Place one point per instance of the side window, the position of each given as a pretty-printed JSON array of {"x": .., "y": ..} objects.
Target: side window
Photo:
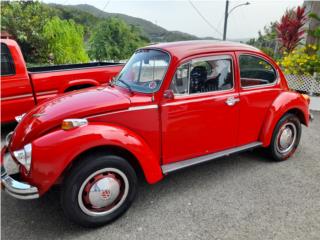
[
  {"x": 7, "y": 65},
  {"x": 203, "y": 75},
  {"x": 211, "y": 75},
  {"x": 180, "y": 81},
  {"x": 255, "y": 71}
]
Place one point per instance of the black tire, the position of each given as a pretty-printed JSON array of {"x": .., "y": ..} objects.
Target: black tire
[
  {"x": 287, "y": 121},
  {"x": 80, "y": 174}
]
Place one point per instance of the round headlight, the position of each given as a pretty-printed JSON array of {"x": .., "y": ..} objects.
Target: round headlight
[{"x": 23, "y": 156}]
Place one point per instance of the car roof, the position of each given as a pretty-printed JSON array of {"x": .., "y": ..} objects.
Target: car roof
[{"x": 185, "y": 49}]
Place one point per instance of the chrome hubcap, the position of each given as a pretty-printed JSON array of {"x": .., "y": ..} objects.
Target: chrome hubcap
[
  {"x": 103, "y": 192},
  {"x": 286, "y": 138}
]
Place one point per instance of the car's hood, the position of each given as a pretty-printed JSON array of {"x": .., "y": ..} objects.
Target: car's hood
[{"x": 49, "y": 115}]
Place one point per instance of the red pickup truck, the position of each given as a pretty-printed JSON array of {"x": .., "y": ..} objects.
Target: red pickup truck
[
  {"x": 22, "y": 88},
  {"x": 174, "y": 105}
]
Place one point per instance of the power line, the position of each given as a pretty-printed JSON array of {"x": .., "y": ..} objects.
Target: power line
[
  {"x": 204, "y": 19},
  {"x": 104, "y": 7}
]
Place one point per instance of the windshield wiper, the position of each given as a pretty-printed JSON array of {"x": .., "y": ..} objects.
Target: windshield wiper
[{"x": 128, "y": 86}]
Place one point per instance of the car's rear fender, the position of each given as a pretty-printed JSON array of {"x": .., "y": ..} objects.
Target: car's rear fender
[
  {"x": 54, "y": 152},
  {"x": 284, "y": 103}
]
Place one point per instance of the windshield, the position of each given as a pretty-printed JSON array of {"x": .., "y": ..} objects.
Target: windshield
[{"x": 145, "y": 71}]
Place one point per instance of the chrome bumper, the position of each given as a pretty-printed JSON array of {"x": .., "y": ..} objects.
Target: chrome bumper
[
  {"x": 13, "y": 187},
  {"x": 311, "y": 117}
]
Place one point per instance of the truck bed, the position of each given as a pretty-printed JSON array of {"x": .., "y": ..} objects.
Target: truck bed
[{"x": 65, "y": 67}]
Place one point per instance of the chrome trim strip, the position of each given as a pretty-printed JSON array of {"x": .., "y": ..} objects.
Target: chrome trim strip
[
  {"x": 136, "y": 108},
  {"x": 143, "y": 107},
  {"x": 47, "y": 92},
  {"x": 171, "y": 167},
  {"x": 16, "y": 97}
]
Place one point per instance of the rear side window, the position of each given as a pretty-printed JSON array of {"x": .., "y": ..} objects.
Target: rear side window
[
  {"x": 7, "y": 65},
  {"x": 255, "y": 71},
  {"x": 203, "y": 75}
]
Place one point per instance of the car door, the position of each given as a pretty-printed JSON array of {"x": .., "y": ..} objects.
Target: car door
[
  {"x": 16, "y": 91},
  {"x": 202, "y": 117},
  {"x": 259, "y": 86}
]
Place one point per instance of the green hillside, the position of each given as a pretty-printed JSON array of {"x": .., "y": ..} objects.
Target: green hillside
[{"x": 149, "y": 30}]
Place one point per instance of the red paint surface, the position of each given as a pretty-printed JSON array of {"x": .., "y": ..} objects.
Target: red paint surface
[{"x": 178, "y": 129}]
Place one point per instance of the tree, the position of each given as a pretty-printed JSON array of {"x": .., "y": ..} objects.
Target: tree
[
  {"x": 290, "y": 29},
  {"x": 267, "y": 40},
  {"x": 25, "y": 21},
  {"x": 313, "y": 24},
  {"x": 314, "y": 33},
  {"x": 113, "y": 39},
  {"x": 65, "y": 41}
]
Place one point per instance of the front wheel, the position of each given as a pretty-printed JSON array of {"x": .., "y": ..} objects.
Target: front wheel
[
  {"x": 286, "y": 137},
  {"x": 98, "y": 190}
]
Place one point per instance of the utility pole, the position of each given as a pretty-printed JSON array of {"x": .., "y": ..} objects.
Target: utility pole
[
  {"x": 226, "y": 16},
  {"x": 225, "y": 21}
]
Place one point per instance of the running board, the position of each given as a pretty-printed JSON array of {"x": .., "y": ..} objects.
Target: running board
[{"x": 172, "y": 167}]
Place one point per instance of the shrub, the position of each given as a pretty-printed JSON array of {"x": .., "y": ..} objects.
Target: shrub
[{"x": 299, "y": 62}]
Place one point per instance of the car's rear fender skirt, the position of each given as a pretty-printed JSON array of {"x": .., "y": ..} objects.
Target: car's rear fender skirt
[
  {"x": 54, "y": 152},
  {"x": 286, "y": 102}
]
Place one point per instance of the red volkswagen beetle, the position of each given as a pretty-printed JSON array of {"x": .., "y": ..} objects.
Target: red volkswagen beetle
[{"x": 174, "y": 105}]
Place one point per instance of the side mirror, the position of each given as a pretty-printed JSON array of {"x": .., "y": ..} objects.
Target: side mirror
[{"x": 168, "y": 94}]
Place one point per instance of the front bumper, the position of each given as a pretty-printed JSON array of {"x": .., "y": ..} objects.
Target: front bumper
[
  {"x": 14, "y": 187},
  {"x": 311, "y": 117}
]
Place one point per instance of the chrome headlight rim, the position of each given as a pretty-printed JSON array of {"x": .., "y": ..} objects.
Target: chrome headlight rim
[
  {"x": 8, "y": 138},
  {"x": 24, "y": 156},
  {"x": 19, "y": 117}
]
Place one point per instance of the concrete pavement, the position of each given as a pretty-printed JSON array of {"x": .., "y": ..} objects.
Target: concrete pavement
[{"x": 244, "y": 196}]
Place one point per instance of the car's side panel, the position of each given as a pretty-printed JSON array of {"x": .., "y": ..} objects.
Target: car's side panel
[
  {"x": 285, "y": 102},
  {"x": 16, "y": 89},
  {"x": 143, "y": 120},
  {"x": 199, "y": 124},
  {"x": 54, "y": 152},
  {"x": 255, "y": 102},
  {"x": 196, "y": 126},
  {"x": 254, "y": 106}
]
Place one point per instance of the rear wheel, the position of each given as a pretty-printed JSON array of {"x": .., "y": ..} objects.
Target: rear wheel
[
  {"x": 286, "y": 137},
  {"x": 98, "y": 190}
]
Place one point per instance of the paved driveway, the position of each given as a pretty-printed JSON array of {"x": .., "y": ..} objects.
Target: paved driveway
[{"x": 244, "y": 196}]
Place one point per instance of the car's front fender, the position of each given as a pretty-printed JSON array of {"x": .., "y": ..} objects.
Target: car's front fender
[
  {"x": 285, "y": 102},
  {"x": 53, "y": 152}
]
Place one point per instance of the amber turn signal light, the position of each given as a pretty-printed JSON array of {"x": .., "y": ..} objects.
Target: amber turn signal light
[
  {"x": 68, "y": 124},
  {"x": 306, "y": 97}
]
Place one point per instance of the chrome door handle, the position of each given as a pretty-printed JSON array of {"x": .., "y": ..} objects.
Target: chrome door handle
[{"x": 232, "y": 101}]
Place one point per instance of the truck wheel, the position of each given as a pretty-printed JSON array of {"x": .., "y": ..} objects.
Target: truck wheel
[
  {"x": 98, "y": 190},
  {"x": 286, "y": 137}
]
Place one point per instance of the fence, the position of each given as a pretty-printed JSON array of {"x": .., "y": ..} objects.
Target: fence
[{"x": 309, "y": 84}]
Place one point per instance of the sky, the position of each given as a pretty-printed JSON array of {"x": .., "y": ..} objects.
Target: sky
[{"x": 181, "y": 15}]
